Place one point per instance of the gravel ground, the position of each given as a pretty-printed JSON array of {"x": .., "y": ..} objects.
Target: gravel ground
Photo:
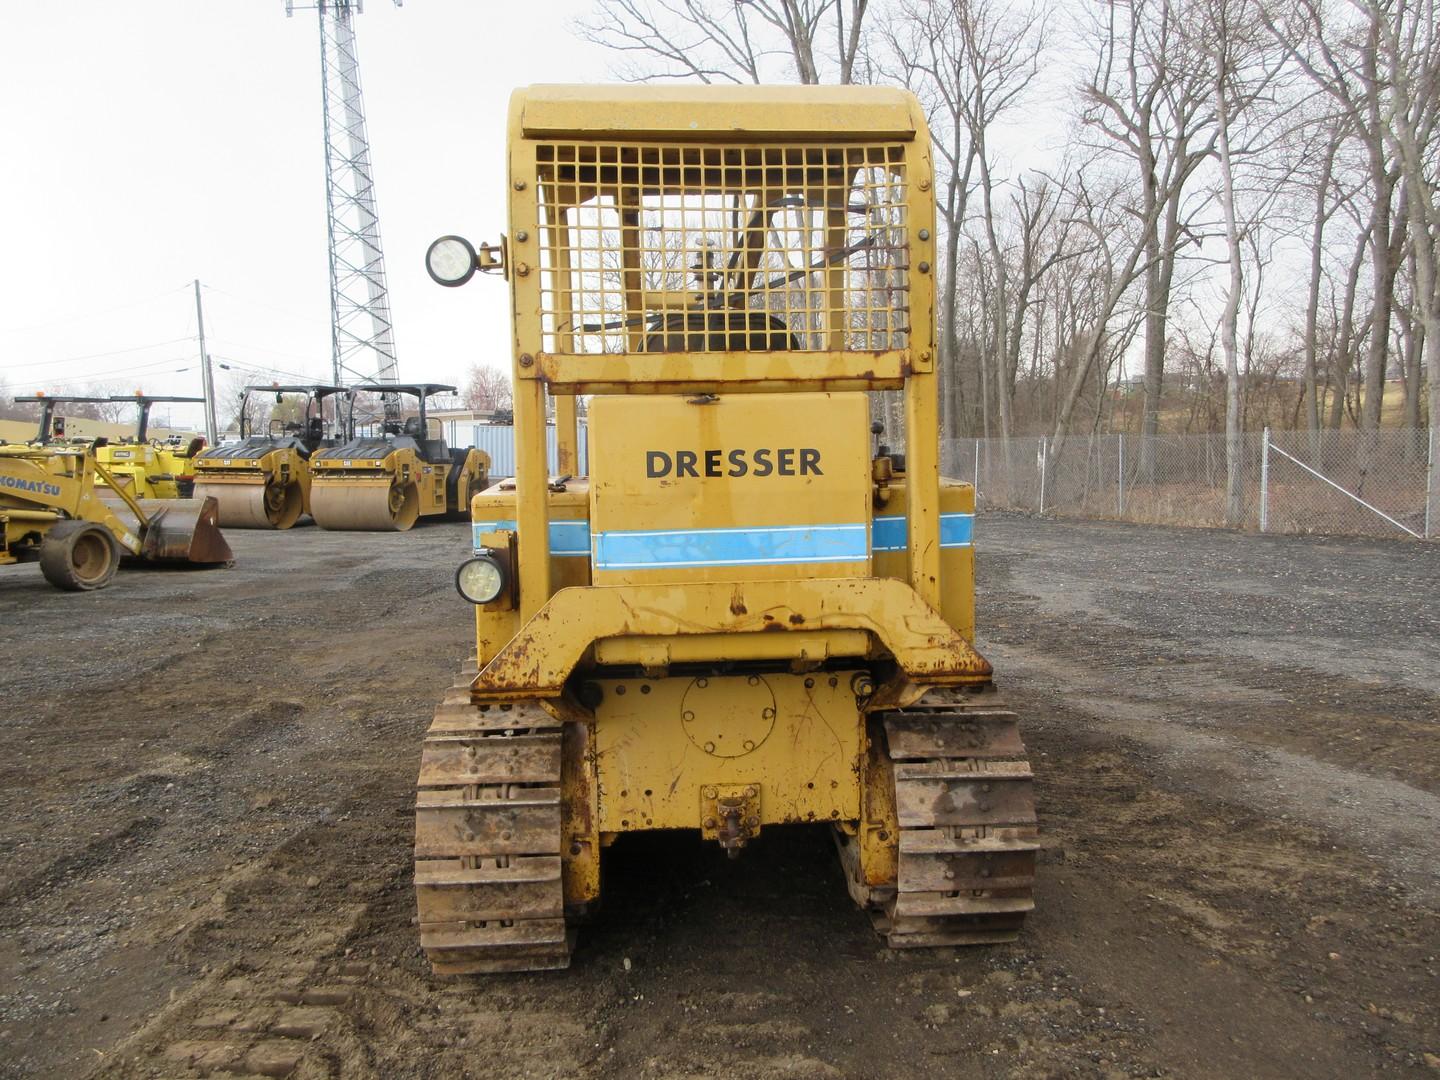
[{"x": 206, "y": 787}]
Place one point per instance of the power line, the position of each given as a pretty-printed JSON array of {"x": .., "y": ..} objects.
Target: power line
[
  {"x": 259, "y": 348},
  {"x": 236, "y": 365},
  {"x": 101, "y": 355},
  {"x": 308, "y": 319},
  {"x": 87, "y": 314},
  {"x": 155, "y": 367},
  {"x": 64, "y": 384}
]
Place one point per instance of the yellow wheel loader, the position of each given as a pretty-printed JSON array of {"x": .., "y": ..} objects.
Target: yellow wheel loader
[
  {"x": 148, "y": 468},
  {"x": 746, "y": 615},
  {"x": 51, "y": 512},
  {"x": 262, "y": 481},
  {"x": 387, "y": 481}
]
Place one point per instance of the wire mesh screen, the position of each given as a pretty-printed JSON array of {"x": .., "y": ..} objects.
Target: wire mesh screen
[
  {"x": 1350, "y": 481},
  {"x": 699, "y": 248}
]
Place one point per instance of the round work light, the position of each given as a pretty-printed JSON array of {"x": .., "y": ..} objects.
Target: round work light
[
  {"x": 480, "y": 580},
  {"x": 450, "y": 261}
]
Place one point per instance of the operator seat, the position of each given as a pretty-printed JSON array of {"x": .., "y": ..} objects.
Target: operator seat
[{"x": 720, "y": 331}]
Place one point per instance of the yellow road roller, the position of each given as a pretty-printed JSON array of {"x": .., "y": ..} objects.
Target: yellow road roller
[
  {"x": 389, "y": 480},
  {"x": 51, "y": 511},
  {"x": 262, "y": 481},
  {"x": 747, "y": 614},
  {"x": 149, "y": 468}
]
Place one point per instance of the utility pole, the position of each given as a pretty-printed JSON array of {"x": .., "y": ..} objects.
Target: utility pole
[{"x": 212, "y": 433}]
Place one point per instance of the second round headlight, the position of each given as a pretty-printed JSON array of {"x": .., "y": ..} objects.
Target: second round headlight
[{"x": 480, "y": 580}]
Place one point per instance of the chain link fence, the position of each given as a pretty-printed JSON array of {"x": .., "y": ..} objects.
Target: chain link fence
[{"x": 1367, "y": 483}]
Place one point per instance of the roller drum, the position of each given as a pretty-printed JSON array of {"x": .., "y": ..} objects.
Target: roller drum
[
  {"x": 255, "y": 506},
  {"x": 365, "y": 505}
]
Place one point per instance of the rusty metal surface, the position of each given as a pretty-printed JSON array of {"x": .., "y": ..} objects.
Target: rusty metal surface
[
  {"x": 177, "y": 530},
  {"x": 730, "y": 815},
  {"x": 661, "y": 743},
  {"x": 725, "y": 372},
  {"x": 580, "y": 815},
  {"x": 543, "y": 653}
]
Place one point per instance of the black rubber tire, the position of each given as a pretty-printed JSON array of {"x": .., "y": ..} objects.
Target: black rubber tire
[{"x": 79, "y": 556}]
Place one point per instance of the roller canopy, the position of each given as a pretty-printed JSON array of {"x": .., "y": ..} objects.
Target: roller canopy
[
  {"x": 420, "y": 390},
  {"x": 318, "y": 391}
]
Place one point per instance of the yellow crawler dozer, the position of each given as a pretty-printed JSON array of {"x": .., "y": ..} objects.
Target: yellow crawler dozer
[
  {"x": 51, "y": 510},
  {"x": 388, "y": 481},
  {"x": 746, "y": 614},
  {"x": 262, "y": 481}
]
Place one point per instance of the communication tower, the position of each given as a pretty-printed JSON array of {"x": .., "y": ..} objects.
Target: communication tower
[{"x": 362, "y": 335}]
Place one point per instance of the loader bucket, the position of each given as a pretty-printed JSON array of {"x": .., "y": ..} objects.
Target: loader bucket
[{"x": 180, "y": 530}]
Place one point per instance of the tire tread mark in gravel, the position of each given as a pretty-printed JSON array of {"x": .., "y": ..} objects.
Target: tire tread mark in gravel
[
  {"x": 267, "y": 1012},
  {"x": 99, "y": 852}
]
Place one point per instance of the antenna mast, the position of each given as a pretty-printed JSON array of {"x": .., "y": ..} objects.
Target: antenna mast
[{"x": 361, "y": 333}]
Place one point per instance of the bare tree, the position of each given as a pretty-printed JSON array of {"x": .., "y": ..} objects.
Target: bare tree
[
  {"x": 735, "y": 41},
  {"x": 487, "y": 389},
  {"x": 10, "y": 409},
  {"x": 1046, "y": 241},
  {"x": 1347, "y": 335},
  {"x": 1407, "y": 40},
  {"x": 1189, "y": 129},
  {"x": 969, "y": 62},
  {"x": 1245, "y": 68},
  {"x": 1328, "y": 197},
  {"x": 108, "y": 412},
  {"x": 1003, "y": 56},
  {"x": 1224, "y": 71},
  {"x": 1119, "y": 232},
  {"x": 1342, "y": 59},
  {"x": 1150, "y": 98}
]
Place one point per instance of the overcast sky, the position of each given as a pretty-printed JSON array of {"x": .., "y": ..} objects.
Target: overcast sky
[{"x": 149, "y": 144}]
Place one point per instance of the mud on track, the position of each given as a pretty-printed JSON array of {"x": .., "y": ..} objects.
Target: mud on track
[{"x": 206, "y": 782}]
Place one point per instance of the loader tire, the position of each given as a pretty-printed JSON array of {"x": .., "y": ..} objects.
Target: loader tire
[{"x": 79, "y": 556}]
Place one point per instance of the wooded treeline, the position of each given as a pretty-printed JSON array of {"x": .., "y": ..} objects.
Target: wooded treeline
[{"x": 1231, "y": 218}]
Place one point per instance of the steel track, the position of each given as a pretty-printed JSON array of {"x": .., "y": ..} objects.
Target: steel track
[{"x": 487, "y": 838}]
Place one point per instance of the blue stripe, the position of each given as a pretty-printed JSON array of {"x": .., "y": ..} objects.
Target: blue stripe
[
  {"x": 736, "y": 547},
  {"x": 566, "y": 537},
  {"x": 956, "y": 530},
  {"x": 647, "y": 550}
]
